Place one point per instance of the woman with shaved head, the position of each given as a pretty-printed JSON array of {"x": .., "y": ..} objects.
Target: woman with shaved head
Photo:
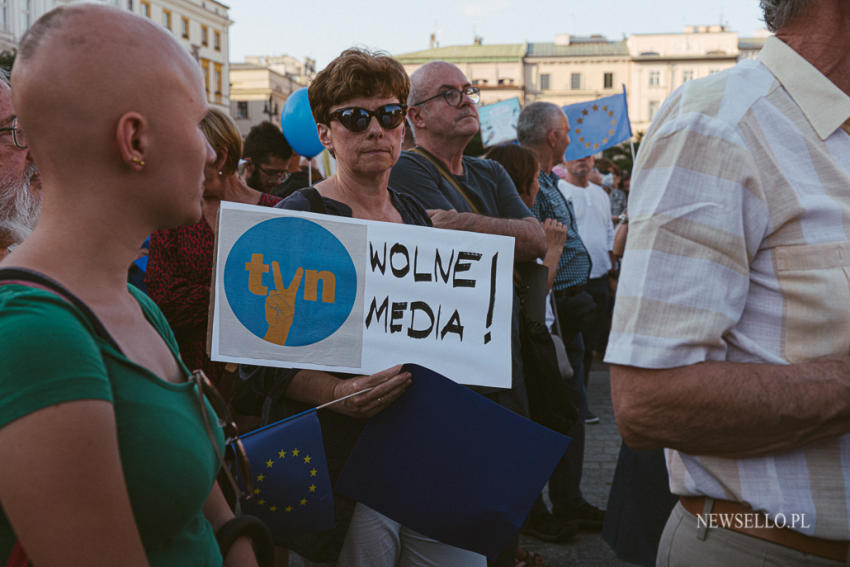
[{"x": 105, "y": 456}]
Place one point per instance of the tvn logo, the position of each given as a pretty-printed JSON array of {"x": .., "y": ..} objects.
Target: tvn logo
[{"x": 290, "y": 281}]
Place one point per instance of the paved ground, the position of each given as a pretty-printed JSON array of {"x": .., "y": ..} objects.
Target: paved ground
[{"x": 602, "y": 445}]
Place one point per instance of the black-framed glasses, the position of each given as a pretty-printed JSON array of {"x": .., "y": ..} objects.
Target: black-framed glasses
[
  {"x": 454, "y": 97},
  {"x": 357, "y": 119},
  {"x": 273, "y": 173},
  {"x": 234, "y": 450},
  {"x": 17, "y": 134}
]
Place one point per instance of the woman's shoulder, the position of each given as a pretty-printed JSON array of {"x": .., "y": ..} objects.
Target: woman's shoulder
[
  {"x": 48, "y": 351},
  {"x": 308, "y": 199}
]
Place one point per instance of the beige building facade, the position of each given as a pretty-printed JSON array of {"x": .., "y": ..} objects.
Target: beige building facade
[
  {"x": 580, "y": 68},
  {"x": 257, "y": 94},
  {"x": 201, "y": 26}
]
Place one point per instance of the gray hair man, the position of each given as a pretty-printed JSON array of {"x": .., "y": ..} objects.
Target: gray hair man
[
  {"x": 543, "y": 128},
  {"x": 19, "y": 181},
  {"x": 731, "y": 332}
]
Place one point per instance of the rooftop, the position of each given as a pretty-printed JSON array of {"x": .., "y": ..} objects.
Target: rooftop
[
  {"x": 578, "y": 49},
  {"x": 465, "y": 53}
]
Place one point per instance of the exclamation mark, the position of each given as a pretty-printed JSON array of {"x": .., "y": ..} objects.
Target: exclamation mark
[{"x": 487, "y": 336}]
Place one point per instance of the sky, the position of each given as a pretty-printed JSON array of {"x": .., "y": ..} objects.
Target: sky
[{"x": 321, "y": 30}]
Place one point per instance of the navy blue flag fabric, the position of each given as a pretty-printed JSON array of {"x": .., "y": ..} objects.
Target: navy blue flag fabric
[
  {"x": 597, "y": 125},
  {"x": 292, "y": 490},
  {"x": 451, "y": 464}
]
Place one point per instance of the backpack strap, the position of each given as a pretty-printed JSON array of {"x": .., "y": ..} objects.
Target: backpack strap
[{"x": 31, "y": 278}]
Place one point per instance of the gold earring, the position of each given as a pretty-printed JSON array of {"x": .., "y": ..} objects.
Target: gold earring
[{"x": 138, "y": 161}]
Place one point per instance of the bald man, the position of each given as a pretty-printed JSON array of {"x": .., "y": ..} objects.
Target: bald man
[{"x": 105, "y": 458}]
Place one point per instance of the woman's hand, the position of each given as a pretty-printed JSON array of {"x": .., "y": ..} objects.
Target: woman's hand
[
  {"x": 556, "y": 235},
  {"x": 386, "y": 385}
]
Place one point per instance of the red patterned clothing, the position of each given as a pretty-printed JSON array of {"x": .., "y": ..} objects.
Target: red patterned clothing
[{"x": 178, "y": 279}]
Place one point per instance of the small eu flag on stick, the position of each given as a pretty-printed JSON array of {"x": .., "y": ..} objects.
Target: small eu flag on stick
[{"x": 292, "y": 490}]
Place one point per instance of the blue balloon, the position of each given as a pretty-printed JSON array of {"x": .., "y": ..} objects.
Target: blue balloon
[{"x": 299, "y": 128}]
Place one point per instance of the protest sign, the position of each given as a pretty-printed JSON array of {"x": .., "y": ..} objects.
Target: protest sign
[
  {"x": 301, "y": 290},
  {"x": 498, "y": 122}
]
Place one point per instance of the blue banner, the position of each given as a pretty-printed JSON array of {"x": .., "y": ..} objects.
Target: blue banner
[
  {"x": 597, "y": 125},
  {"x": 451, "y": 464}
]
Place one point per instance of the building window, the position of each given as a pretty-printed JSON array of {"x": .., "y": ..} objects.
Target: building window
[
  {"x": 217, "y": 40},
  {"x": 166, "y": 18},
  {"x": 205, "y": 67},
  {"x": 544, "y": 82},
  {"x": 653, "y": 108},
  {"x": 242, "y": 110},
  {"x": 687, "y": 76},
  {"x": 608, "y": 81},
  {"x": 217, "y": 78},
  {"x": 130, "y": 5},
  {"x": 655, "y": 78},
  {"x": 205, "y": 35},
  {"x": 575, "y": 81},
  {"x": 184, "y": 25},
  {"x": 146, "y": 8},
  {"x": 26, "y": 15}
]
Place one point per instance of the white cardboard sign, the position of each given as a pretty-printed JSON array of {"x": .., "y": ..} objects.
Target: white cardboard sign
[{"x": 302, "y": 290}]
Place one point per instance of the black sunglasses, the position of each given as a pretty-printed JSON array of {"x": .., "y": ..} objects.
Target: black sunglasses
[{"x": 357, "y": 119}]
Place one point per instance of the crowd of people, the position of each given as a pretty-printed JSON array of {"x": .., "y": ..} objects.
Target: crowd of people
[{"x": 718, "y": 317}]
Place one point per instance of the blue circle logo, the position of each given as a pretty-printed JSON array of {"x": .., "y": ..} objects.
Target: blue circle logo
[{"x": 290, "y": 281}]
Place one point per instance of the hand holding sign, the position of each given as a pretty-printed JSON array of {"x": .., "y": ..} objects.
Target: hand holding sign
[
  {"x": 280, "y": 306},
  {"x": 387, "y": 385}
]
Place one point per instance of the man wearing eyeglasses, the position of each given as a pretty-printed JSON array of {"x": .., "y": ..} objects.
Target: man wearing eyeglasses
[
  {"x": 463, "y": 192},
  {"x": 19, "y": 181},
  {"x": 266, "y": 154}
]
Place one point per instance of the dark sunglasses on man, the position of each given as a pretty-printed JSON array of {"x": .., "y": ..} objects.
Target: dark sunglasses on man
[{"x": 357, "y": 119}]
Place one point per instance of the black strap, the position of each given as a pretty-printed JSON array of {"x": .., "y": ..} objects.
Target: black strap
[
  {"x": 250, "y": 527},
  {"x": 317, "y": 203},
  {"x": 35, "y": 279},
  {"x": 433, "y": 160}
]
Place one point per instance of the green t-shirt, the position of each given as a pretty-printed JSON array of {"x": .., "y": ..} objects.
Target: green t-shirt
[{"x": 50, "y": 354}]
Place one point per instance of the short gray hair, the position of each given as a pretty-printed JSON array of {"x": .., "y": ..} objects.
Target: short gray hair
[
  {"x": 535, "y": 121},
  {"x": 4, "y": 77},
  {"x": 779, "y": 13}
]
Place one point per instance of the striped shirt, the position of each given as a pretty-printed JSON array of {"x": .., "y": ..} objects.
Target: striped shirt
[
  {"x": 574, "y": 265},
  {"x": 738, "y": 250}
]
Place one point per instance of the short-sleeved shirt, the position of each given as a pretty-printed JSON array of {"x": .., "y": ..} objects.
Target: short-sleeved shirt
[
  {"x": 593, "y": 217},
  {"x": 574, "y": 264},
  {"x": 738, "y": 250},
  {"x": 485, "y": 181},
  {"x": 50, "y": 354}
]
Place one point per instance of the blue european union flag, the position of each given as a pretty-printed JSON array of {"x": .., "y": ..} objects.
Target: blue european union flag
[
  {"x": 451, "y": 464},
  {"x": 597, "y": 125},
  {"x": 292, "y": 490}
]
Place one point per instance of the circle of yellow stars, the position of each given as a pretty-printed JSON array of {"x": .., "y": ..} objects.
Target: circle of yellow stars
[
  {"x": 281, "y": 455},
  {"x": 580, "y": 121}
]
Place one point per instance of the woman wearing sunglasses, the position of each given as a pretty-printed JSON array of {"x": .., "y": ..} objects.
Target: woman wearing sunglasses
[{"x": 357, "y": 101}]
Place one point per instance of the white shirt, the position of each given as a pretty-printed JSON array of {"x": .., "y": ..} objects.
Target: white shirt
[{"x": 593, "y": 217}]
